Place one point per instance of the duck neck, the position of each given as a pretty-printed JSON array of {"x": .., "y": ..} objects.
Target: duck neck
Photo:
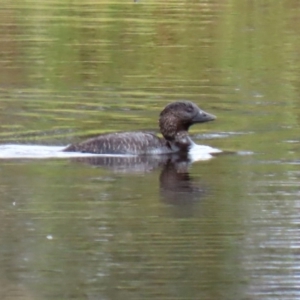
[
  {"x": 181, "y": 141},
  {"x": 168, "y": 127}
]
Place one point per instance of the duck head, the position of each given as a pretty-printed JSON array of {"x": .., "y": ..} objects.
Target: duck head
[{"x": 177, "y": 117}]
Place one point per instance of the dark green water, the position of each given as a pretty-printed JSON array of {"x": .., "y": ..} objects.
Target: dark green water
[{"x": 227, "y": 229}]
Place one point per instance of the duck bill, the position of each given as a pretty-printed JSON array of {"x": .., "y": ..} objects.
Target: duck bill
[{"x": 202, "y": 116}]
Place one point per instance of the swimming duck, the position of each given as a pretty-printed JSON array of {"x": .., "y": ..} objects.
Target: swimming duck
[{"x": 174, "y": 122}]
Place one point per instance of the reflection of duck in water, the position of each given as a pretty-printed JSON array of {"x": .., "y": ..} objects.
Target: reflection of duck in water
[
  {"x": 176, "y": 185},
  {"x": 174, "y": 122}
]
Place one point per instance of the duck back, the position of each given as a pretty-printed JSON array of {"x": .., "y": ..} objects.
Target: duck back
[{"x": 134, "y": 143}]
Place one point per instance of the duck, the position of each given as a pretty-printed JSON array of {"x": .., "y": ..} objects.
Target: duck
[{"x": 174, "y": 122}]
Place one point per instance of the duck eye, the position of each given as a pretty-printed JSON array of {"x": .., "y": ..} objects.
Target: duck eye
[{"x": 189, "y": 109}]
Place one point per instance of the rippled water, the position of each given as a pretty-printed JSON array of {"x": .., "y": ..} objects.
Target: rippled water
[{"x": 148, "y": 227}]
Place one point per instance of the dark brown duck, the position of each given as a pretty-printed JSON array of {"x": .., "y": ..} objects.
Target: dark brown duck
[{"x": 174, "y": 122}]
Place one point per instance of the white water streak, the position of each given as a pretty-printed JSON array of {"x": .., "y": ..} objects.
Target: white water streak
[{"x": 197, "y": 152}]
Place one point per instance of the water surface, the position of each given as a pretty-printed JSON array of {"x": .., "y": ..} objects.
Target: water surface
[{"x": 144, "y": 228}]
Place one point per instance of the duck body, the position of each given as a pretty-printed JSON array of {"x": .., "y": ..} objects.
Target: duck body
[
  {"x": 174, "y": 122},
  {"x": 134, "y": 143}
]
